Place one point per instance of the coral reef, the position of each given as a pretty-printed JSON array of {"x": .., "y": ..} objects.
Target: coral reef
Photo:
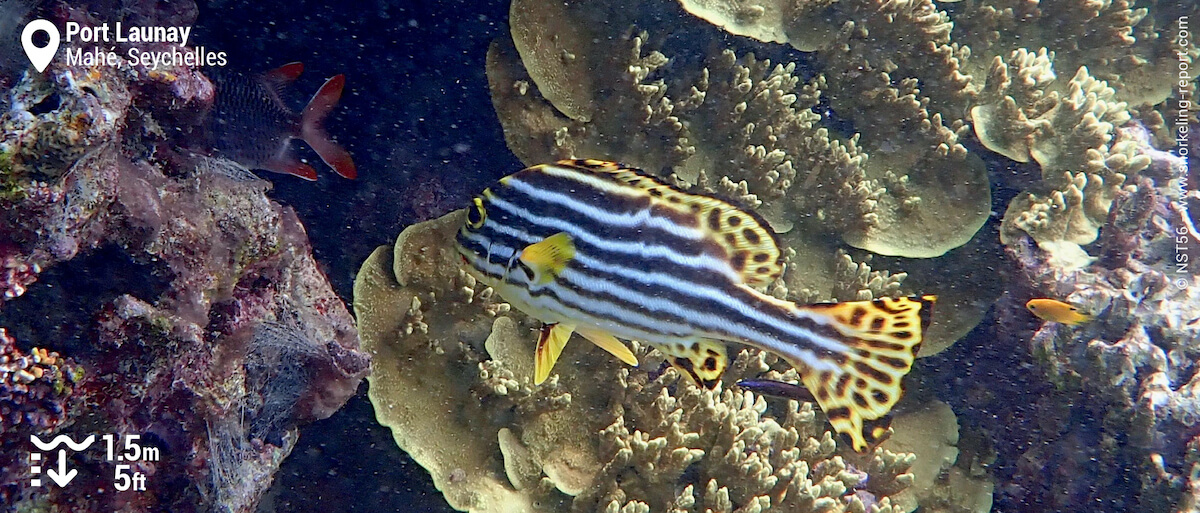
[
  {"x": 1072, "y": 136},
  {"x": 756, "y": 132},
  {"x": 931, "y": 433},
  {"x": 452, "y": 379},
  {"x": 899, "y": 62},
  {"x": 744, "y": 128},
  {"x": 1128, "y": 380},
  {"x": 199, "y": 319},
  {"x": 866, "y": 141}
]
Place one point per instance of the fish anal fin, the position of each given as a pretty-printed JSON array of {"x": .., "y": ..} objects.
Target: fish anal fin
[
  {"x": 550, "y": 346},
  {"x": 548, "y": 257},
  {"x": 609, "y": 343},
  {"x": 859, "y": 387},
  {"x": 702, "y": 361},
  {"x": 287, "y": 164}
]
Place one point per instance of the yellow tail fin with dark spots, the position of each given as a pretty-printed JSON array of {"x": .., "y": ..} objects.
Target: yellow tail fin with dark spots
[{"x": 858, "y": 392}]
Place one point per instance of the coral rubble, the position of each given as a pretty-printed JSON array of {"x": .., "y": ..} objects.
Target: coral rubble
[
  {"x": 199, "y": 319},
  {"x": 453, "y": 380}
]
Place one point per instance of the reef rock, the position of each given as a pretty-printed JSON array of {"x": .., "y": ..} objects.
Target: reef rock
[
  {"x": 1124, "y": 384},
  {"x": 199, "y": 320}
]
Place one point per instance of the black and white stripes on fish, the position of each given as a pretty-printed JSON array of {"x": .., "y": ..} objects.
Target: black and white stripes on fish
[
  {"x": 598, "y": 249},
  {"x": 674, "y": 288},
  {"x": 630, "y": 241}
]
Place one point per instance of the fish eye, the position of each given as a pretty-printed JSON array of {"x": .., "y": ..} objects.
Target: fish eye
[{"x": 476, "y": 214}]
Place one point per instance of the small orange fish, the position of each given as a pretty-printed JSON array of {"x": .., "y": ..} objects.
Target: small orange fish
[{"x": 1054, "y": 310}]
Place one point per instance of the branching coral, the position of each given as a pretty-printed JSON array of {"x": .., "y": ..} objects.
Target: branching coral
[
  {"x": 1119, "y": 41},
  {"x": 1071, "y": 135},
  {"x": 914, "y": 71},
  {"x": 751, "y": 124},
  {"x": 452, "y": 380}
]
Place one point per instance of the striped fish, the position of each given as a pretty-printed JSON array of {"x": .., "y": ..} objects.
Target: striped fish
[{"x": 608, "y": 252}]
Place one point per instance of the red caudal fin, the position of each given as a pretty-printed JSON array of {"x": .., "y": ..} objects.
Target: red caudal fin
[{"x": 312, "y": 132}]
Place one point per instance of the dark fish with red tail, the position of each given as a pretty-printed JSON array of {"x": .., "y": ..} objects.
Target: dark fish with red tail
[{"x": 254, "y": 127}]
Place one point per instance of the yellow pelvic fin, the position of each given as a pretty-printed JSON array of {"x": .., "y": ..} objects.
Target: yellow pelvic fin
[
  {"x": 548, "y": 257},
  {"x": 861, "y": 386},
  {"x": 550, "y": 345},
  {"x": 702, "y": 361},
  {"x": 609, "y": 343}
]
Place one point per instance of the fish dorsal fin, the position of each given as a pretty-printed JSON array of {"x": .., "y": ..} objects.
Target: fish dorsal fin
[
  {"x": 283, "y": 76},
  {"x": 702, "y": 361},
  {"x": 858, "y": 388},
  {"x": 630, "y": 176},
  {"x": 548, "y": 257},
  {"x": 608, "y": 343},
  {"x": 748, "y": 241},
  {"x": 550, "y": 346}
]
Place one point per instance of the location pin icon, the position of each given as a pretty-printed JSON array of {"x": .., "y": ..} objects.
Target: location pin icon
[{"x": 40, "y": 57}]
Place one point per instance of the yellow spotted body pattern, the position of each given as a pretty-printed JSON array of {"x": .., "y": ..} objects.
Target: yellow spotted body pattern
[{"x": 608, "y": 252}]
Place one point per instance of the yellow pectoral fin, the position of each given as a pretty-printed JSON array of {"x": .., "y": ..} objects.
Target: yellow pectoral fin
[
  {"x": 549, "y": 347},
  {"x": 611, "y": 344},
  {"x": 549, "y": 257}
]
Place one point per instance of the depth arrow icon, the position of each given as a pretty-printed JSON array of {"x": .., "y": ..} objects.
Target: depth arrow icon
[{"x": 61, "y": 477}]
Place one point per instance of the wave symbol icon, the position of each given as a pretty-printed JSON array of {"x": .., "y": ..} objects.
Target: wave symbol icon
[{"x": 62, "y": 439}]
